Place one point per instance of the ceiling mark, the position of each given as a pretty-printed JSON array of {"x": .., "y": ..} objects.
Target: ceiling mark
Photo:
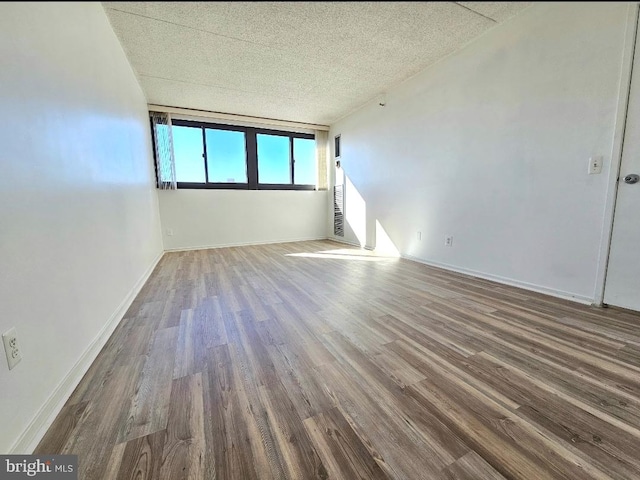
[
  {"x": 190, "y": 28},
  {"x": 477, "y": 13}
]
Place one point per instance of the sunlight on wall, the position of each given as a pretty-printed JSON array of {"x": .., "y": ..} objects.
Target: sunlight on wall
[
  {"x": 384, "y": 244},
  {"x": 356, "y": 212}
]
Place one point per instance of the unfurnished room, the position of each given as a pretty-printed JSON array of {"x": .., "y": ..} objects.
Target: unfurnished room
[{"x": 320, "y": 240}]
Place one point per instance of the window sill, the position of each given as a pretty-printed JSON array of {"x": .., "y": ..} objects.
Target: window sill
[{"x": 241, "y": 186}]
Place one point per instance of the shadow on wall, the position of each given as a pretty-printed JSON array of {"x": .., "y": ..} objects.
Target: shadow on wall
[{"x": 368, "y": 231}]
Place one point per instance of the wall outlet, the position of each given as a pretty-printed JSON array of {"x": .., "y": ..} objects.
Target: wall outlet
[
  {"x": 170, "y": 232},
  {"x": 448, "y": 240},
  {"x": 595, "y": 165},
  {"x": 11, "y": 347},
  {"x": 419, "y": 236}
]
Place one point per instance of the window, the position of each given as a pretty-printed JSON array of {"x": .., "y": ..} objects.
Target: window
[
  {"x": 188, "y": 152},
  {"x": 225, "y": 156},
  {"x": 304, "y": 155},
  {"x": 274, "y": 159}
]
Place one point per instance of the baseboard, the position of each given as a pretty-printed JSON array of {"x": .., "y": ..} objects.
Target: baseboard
[
  {"x": 242, "y": 244},
  {"x": 346, "y": 242},
  {"x": 505, "y": 281},
  {"x": 28, "y": 441}
]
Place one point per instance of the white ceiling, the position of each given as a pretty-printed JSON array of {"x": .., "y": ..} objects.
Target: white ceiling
[{"x": 311, "y": 62}]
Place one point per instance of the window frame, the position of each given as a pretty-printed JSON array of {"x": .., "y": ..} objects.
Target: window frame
[{"x": 251, "y": 151}]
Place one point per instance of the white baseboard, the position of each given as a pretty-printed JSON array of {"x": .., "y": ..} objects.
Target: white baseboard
[
  {"x": 28, "y": 441},
  {"x": 506, "y": 281},
  {"x": 346, "y": 242},
  {"x": 242, "y": 244}
]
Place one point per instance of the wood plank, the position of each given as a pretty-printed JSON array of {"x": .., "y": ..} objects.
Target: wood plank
[
  {"x": 150, "y": 405},
  {"x": 470, "y": 467},
  {"x": 342, "y": 452},
  {"x": 62, "y": 428},
  {"x": 142, "y": 458},
  {"x": 294, "y": 449},
  {"x": 229, "y": 450},
  {"x": 191, "y": 346},
  {"x": 115, "y": 461},
  {"x": 300, "y": 381},
  {"x": 184, "y": 445},
  {"x": 96, "y": 434}
]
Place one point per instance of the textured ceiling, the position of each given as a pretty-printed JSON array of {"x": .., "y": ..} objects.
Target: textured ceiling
[{"x": 311, "y": 62}]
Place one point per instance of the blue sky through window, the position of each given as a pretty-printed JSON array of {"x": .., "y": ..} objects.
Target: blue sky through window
[
  {"x": 273, "y": 159},
  {"x": 304, "y": 153},
  {"x": 226, "y": 156},
  {"x": 187, "y": 147}
]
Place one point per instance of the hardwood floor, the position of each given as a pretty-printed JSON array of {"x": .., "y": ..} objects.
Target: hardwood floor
[{"x": 312, "y": 360}]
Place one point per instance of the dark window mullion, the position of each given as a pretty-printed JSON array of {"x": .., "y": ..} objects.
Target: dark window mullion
[
  {"x": 292, "y": 160},
  {"x": 204, "y": 156},
  {"x": 252, "y": 159}
]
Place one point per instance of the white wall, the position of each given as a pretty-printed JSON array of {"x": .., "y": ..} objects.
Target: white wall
[
  {"x": 216, "y": 218},
  {"x": 491, "y": 145},
  {"x": 79, "y": 222}
]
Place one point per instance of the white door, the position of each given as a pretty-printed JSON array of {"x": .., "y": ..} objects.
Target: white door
[{"x": 622, "y": 287}]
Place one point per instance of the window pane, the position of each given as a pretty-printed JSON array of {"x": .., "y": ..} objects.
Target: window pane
[
  {"x": 304, "y": 154},
  {"x": 226, "y": 156},
  {"x": 187, "y": 149},
  {"x": 274, "y": 165}
]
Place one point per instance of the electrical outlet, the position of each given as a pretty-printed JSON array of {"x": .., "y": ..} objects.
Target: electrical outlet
[
  {"x": 11, "y": 347},
  {"x": 170, "y": 232},
  {"x": 448, "y": 240},
  {"x": 419, "y": 236}
]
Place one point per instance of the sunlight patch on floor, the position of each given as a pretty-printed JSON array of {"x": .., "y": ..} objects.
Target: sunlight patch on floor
[{"x": 347, "y": 254}]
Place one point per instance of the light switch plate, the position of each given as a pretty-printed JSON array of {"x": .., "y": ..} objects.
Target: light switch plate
[{"x": 595, "y": 165}]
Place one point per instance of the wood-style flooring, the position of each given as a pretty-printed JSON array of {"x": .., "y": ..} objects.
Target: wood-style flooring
[{"x": 311, "y": 360}]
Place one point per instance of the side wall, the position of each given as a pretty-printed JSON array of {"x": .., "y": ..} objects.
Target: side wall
[
  {"x": 79, "y": 218},
  {"x": 491, "y": 146}
]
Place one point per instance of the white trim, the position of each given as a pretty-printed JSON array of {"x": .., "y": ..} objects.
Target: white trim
[
  {"x": 243, "y": 244},
  {"x": 346, "y": 242},
  {"x": 504, "y": 280},
  {"x": 235, "y": 119},
  {"x": 40, "y": 423},
  {"x": 616, "y": 152}
]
